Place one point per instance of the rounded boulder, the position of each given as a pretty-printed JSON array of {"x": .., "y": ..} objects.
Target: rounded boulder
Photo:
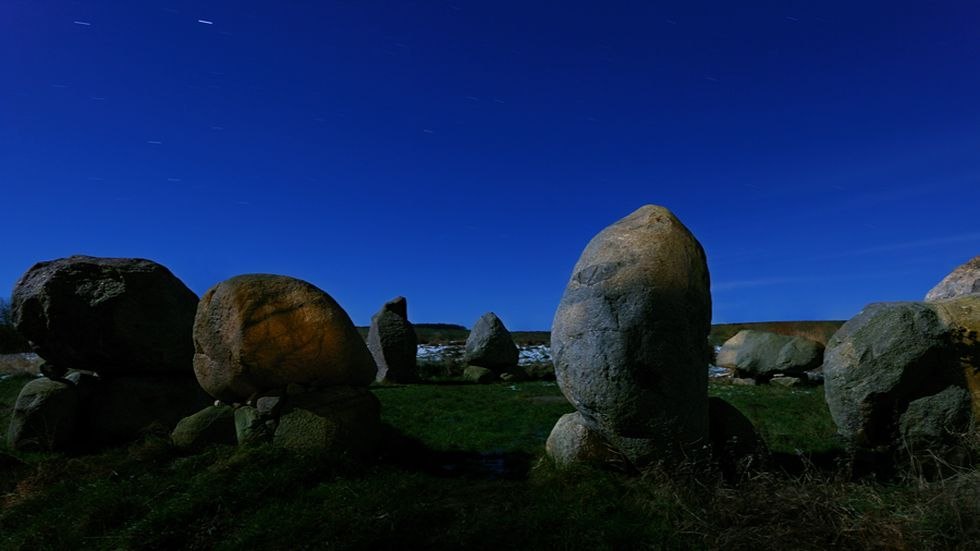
[{"x": 258, "y": 332}]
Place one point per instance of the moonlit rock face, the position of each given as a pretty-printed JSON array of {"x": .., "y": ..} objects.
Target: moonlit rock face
[
  {"x": 964, "y": 280},
  {"x": 393, "y": 343},
  {"x": 629, "y": 338},
  {"x": 255, "y": 333}
]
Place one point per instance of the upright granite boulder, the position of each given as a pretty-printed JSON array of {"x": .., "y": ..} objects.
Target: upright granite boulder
[
  {"x": 964, "y": 280},
  {"x": 762, "y": 355},
  {"x": 255, "y": 333},
  {"x": 490, "y": 344},
  {"x": 393, "y": 343},
  {"x": 897, "y": 371},
  {"x": 629, "y": 339},
  {"x": 107, "y": 315}
]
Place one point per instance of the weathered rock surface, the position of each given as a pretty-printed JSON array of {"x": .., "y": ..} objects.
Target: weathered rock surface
[
  {"x": 962, "y": 315},
  {"x": 882, "y": 360},
  {"x": 211, "y": 425},
  {"x": 44, "y": 416},
  {"x": 938, "y": 419},
  {"x": 490, "y": 344},
  {"x": 762, "y": 355},
  {"x": 107, "y": 315},
  {"x": 572, "y": 441},
  {"x": 256, "y": 333},
  {"x": 629, "y": 339},
  {"x": 393, "y": 343},
  {"x": 343, "y": 419},
  {"x": 963, "y": 280},
  {"x": 251, "y": 427}
]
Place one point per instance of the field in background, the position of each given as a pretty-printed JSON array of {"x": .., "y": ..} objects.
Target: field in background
[{"x": 820, "y": 331}]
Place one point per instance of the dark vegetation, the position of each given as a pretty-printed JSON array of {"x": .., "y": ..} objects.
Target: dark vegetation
[
  {"x": 463, "y": 466},
  {"x": 11, "y": 342}
]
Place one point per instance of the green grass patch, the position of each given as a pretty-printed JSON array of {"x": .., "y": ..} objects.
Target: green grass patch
[
  {"x": 790, "y": 420},
  {"x": 463, "y": 467}
]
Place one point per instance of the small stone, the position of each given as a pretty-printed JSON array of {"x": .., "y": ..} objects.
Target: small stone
[
  {"x": 250, "y": 427},
  {"x": 477, "y": 374},
  {"x": 211, "y": 425},
  {"x": 743, "y": 382},
  {"x": 571, "y": 441},
  {"x": 785, "y": 381},
  {"x": 268, "y": 406}
]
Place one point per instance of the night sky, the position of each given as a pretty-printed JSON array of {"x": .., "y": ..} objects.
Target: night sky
[{"x": 826, "y": 154}]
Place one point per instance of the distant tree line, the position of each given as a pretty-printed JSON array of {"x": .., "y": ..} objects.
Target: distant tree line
[{"x": 11, "y": 341}]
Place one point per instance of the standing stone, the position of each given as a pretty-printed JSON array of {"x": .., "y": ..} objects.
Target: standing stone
[
  {"x": 393, "y": 343},
  {"x": 629, "y": 339},
  {"x": 490, "y": 345},
  {"x": 108, "y": 315},
  {"x": 257, "y": 333},
  {"x": 882, "y": 360},
  {"x": 963, "y": 280}
]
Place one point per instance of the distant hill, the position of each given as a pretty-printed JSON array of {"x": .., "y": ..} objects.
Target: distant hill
[{"x": 820, "y": 331}]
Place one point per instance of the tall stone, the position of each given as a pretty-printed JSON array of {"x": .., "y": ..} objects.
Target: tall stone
[
  {"x": 629, "y": 339},
  {"x": 393, "y": 343},
  {"x": 256, "y": 333},
  {"x": 113, "y": 316},
  {"x": 490, "y": 344}
]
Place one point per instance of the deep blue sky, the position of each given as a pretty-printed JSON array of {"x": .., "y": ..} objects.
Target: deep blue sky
[{"x": 826, "y": 154}]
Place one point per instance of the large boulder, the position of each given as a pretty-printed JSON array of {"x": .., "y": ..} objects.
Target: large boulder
[
  {"x": 629, "y": 339},
  {"x": 108, "y": 315},
  {"x": 44, "y": 416},
  {"x": 763, "y": 355},
  {"x": 393, "y": 343},
  {"x": 255, "y": 333},
  {"x": 490, "y": 345},
  {"x": 963, "y": 280},
  {"x": 888, "y": 358}
]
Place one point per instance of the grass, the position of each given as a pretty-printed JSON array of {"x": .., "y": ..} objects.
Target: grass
[{"x": 463, "y": 466}]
